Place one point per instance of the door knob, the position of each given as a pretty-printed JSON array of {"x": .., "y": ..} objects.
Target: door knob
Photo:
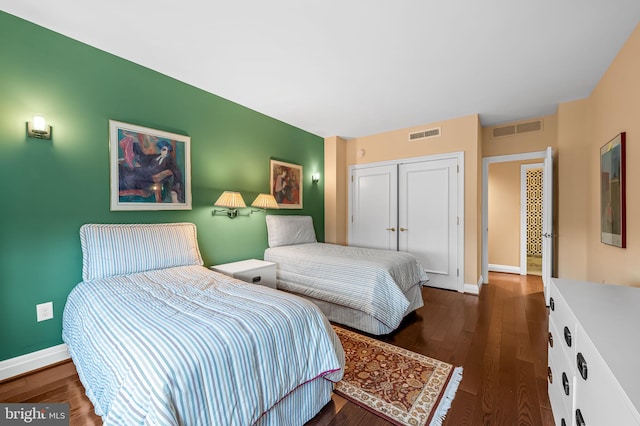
[
  {"x": 403, "y": 229},
  {"x": 392, "y": 229}
]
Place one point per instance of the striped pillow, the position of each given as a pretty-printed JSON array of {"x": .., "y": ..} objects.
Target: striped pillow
[{"x": 109, "y": 250}]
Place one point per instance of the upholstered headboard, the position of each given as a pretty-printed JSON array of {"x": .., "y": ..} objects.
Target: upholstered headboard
[
  {"x": 109, "y": 250},
  {"x": 285, "y": 230}
]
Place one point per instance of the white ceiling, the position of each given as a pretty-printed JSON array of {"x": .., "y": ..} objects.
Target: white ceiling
[{"x": 357, "y": 67}]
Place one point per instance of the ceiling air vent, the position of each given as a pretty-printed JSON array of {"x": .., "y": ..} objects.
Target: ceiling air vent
[
  {"x": 514, "y": 129},
  {"x": 424, "y": 134}
]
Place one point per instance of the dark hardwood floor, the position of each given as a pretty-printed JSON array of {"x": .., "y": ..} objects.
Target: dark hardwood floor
[{"x": 499, "y": 338}]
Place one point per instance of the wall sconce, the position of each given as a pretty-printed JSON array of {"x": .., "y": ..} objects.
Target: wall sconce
[
  {"x": 315, "y": 178},
  {"x": 264, "y": 202},
  {"x": 38, "y": 128},
  {"x": 232, "y": 201}
]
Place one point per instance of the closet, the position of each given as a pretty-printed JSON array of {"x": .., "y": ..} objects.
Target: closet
[{"x": 413, "y": 205}]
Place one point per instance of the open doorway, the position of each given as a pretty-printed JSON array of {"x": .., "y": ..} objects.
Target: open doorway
[
  {"x": 515, "y": 217},
  {"x": 547, "y": 156}
]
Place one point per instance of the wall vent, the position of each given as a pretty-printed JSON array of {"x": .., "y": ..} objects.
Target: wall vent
[
  {"x": 532, "y": 126},
  {"x": 424, "y": 134},
  {"x": 515, "y": 129},
  {"x": 499, "y": 132}
]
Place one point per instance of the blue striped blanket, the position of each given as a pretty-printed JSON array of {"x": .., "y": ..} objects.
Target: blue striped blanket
[
  {"x": 188, "y": 346},
  {"x": 369, "y": 280}
]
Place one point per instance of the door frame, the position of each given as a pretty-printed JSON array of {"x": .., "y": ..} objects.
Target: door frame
[
  {"x": 486, "y": 161},
  {"x": 523, "y": 213},
  {"x": 459, "y": 156}
]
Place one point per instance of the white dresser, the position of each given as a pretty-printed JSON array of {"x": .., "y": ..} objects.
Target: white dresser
[{"x": 594, "y": 354}]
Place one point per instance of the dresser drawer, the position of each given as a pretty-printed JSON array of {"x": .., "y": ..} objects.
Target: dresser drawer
[
  {"x": 599, "y": 397},
  {"x": 565, "y": 322},
  {"x": 562, "y": 380},
  {"x": 561, "y": 411}
]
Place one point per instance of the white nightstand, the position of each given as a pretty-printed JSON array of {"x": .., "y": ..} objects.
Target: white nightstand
[{"x": 252, "y": 271}]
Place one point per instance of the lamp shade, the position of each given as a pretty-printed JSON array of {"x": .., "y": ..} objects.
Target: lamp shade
[
  {"x": 265, "y": 201},
  {"x": 230, "y": 200},
  {"x": 39, "y": 123}
]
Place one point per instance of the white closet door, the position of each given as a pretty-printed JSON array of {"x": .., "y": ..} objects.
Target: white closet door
[
  {"x": 374, "y": 210},
  {"x": 428, "y": 218}
]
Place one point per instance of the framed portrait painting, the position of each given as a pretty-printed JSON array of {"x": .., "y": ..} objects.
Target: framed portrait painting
[
  {"x": 613, "y": 215},
  {"x": 286, "y": 184},
  {"x": 150, "y": 169}
]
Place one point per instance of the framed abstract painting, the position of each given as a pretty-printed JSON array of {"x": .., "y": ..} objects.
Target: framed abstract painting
[
  {"x": 150, "y": 169},
  {"x": 286, "y": 184},
  {"x": 613, "y": 215}
]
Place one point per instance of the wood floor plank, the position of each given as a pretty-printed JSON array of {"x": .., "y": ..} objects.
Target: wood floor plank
[
  {"x": 461, "y": 411},
  {"x": 507, "y": 363},
  {"x": 498, "y": 337},
  {"x": 528, "y": 401}
]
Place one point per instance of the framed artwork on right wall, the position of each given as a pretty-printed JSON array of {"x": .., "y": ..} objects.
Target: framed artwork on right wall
[{"x": 613, "y": 215}]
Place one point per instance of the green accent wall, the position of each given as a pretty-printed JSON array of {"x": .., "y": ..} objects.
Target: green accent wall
[{"x": 50, "y": 188}]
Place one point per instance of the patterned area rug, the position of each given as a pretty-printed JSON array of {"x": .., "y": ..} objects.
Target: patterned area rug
[{"x": 401, "y": 386}]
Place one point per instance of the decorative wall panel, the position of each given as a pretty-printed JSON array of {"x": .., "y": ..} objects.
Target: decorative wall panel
[{"x": 534, "y": 212}]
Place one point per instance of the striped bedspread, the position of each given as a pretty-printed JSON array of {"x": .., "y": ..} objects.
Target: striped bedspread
[
  {"x": 369, "y": 280},
  {"x": 188, "y": 346}
]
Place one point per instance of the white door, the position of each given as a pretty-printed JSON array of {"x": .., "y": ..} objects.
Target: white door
[
  {"x": 374, "y": 212},
  {"x": 547, "y": 222},
  {"x": 428, "y": 218}
]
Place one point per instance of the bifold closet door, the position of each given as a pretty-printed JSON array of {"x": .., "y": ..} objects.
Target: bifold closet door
[
  {"x": 428, "y": 218},
  {"x": 374, "y": 210}
]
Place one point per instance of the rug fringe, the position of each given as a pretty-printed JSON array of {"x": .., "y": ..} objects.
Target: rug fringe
[{"x": 447, "y": 398}]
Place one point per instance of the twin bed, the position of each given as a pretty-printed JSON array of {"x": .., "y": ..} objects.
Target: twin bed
[
  {"x": 367, "y": 289},
  {"x": 157, "y": 338}
]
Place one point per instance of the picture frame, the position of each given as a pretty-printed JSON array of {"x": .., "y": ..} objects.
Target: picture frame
[
  {"x": 286, "y": 184},
  {"x": 149, "y": 169},
  {"x": 613, "y": 215}
]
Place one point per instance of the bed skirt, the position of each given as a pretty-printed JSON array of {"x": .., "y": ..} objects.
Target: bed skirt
[
  {"x": 361, "y": 320},
  {"x": 303, "y": 403}
]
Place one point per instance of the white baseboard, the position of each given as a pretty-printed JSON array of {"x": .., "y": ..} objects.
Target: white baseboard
[
  {"x": 32, "y": 361},
  {"x": 504, "y": 268},
  {"x": 474, "y": 288}
]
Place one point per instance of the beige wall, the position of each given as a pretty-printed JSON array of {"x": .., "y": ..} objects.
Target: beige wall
[
  {"x": 504, "y": 214},
  {"x": 573, "y": 193},
  {"x": 335, "y": 191},
  {"x": 460, "y": 134},
  {"x": 614, "y": 107}
]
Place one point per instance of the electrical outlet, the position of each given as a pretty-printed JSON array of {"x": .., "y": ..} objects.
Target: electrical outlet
[{"x": 44, "y": 311}]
